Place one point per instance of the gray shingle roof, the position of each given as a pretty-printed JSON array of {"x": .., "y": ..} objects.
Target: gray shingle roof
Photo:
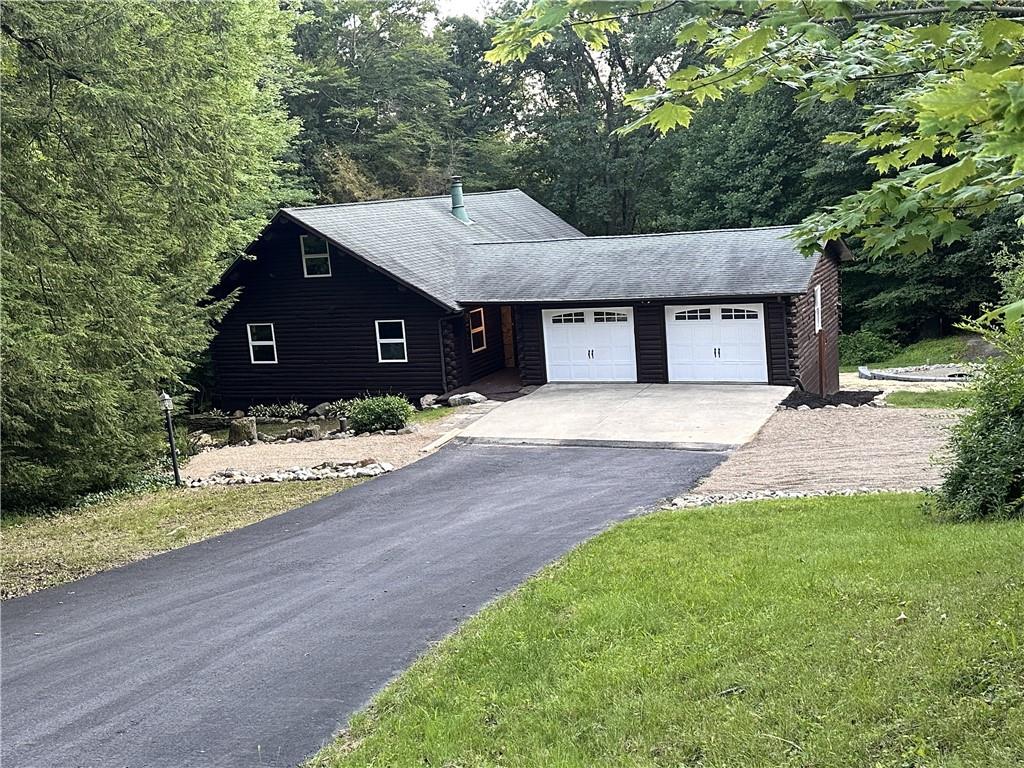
[
  {"x": 726, "y": 262},
  {"x": 418, "y": 241}
]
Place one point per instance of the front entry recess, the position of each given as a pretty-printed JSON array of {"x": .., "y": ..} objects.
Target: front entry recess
[
  {"x": 589, "y": 344},
  {"x": 716, "y": 342}
]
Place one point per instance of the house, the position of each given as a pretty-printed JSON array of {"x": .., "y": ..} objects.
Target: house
[{"x": 424, "y": 295}]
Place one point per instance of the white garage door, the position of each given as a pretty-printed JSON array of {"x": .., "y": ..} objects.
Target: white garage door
[
  {"x": 589, "y": 344},
  {"x": 716, "y": 342}
]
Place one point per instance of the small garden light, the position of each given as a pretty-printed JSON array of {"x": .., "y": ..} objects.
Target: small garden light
[{"x": 168, "y": 405}]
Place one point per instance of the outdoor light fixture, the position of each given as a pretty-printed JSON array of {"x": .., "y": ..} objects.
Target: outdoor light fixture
[{"x": 168, "y": 405}]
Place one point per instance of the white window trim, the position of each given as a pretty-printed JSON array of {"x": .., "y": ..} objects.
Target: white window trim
[
  {"x": 402, "y": 341},
  {"x": 482, "y": 328},
  {"x": 271, "y": 343},
  {"x": 817, "y": 308},
  {"x": 325, "y": 254}
]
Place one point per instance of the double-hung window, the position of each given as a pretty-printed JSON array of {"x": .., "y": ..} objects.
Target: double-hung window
[
  {"x": 316, "y": 259},
  {"x": 477, "y": 330},
  {"x": 262, "y": 343},
  {"x": 391, "y": 346}
]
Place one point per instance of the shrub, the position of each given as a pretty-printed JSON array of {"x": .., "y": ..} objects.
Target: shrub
[
  {"x": 337, "y": 410},
  {"x": 261, "y": 411},
  {"x": 290, "y": 410},
  {"x": 863, "y": 347},
  {"x": 369, "y": 414},
  {"x": 986, "y": 476}
]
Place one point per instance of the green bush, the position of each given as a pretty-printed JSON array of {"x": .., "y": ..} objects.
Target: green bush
[
  {"x": 862, "y": 347},
  {"x": 290, "y": 410},
  {"x": 337, "y": 409},
  {"x": 370, "y": 414},
  {"x": 261, "y": 411},
  {"x": 986, "y": 476}
]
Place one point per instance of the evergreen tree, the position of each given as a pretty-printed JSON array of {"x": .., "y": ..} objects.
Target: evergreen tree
[{"x": 142, "y": 147}]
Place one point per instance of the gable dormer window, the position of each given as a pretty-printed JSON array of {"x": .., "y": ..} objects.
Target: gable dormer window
[{"x": 316, "y": 259}]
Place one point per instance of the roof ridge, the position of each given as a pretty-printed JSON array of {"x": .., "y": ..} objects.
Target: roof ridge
[
  {"x": 397, "y": 200},
  {"x": 641, "y": 234}
]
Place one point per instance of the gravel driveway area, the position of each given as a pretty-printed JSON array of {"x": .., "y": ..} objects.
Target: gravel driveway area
[
  {"x": 397, "y": 450},
  {"x": 836, "y": 449}
]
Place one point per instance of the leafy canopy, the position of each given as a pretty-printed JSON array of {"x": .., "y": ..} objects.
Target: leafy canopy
[{"x": 941, "y": 85}]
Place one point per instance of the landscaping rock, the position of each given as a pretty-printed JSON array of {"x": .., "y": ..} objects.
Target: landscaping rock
[
  {"x": 327, "y": 470},
  {"x": 468, "y": 398},
  {"x": 242, "y": 430},
  {"x": 237, "y": 414},
  {"x": 428, "y": 401},
  {"x": 202, "y": 439},
  {"x": 690, "y": 501},
  {"x": 320, "y": 410},
  {"x": 305, "y": 432},
  {"x": 263, "y": 437}
]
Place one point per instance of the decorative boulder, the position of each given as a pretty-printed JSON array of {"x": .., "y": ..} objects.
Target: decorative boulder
[
  {"x": 307, "y": 432},
  {"x": 202, "y": 439},
  {"x": 320, "y": 410},
  {"x": 242, "y": 430},
  {"x": 428, "y": 401},
  {"x": 469, "y": 398}
]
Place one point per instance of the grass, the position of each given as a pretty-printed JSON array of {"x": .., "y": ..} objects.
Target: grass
[
  {"x": 949, "y": 349},
  {"x": 41, "y": 551},
  {"x": 431, "y": 414},
  {"x": 757, "y": 634},
  {"x": 941, "y": 398}
]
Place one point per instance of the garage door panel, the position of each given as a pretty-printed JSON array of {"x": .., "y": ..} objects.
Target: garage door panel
[
  {"x": 717, "y": 342},
  {"x": 590, "y": 344}
]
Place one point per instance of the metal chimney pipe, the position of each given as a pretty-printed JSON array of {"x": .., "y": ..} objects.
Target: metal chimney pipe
[{"x": 458, "y": 209}]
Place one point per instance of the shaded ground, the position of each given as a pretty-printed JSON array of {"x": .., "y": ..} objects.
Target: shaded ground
[
  {"x": 835, "y": 449},
  {"x": 251, "y": 648}
]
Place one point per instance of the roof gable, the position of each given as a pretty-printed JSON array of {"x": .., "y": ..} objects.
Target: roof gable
[{"x": 418, "y": 242}]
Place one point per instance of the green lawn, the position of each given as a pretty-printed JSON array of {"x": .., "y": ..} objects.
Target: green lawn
[
  {"x": 942, "y": 398},
  {"x": 431, "y": 414},
  {"x": 757, "y": 634},
  {"x": 40, "y": 551},
  {"x": 949, "y": 349}
]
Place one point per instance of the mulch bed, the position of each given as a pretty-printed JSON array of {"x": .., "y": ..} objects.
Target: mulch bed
[{"x": 855, "y": 397}]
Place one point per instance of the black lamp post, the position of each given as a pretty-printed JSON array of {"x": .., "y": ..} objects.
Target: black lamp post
[{"x": 167, "y": 404}]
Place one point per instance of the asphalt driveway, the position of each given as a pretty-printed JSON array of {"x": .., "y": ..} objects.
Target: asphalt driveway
[{"x": 252, "y": 648}]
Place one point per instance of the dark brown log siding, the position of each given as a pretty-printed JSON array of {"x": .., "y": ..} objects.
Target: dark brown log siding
[
  {"x": 651, "y": 356},
  {"x": 779, "y": 371},
  {"x": 326, "y": 341},
  {"x": 804, "y": 341},
  {"x": 530, "y": 344}
]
